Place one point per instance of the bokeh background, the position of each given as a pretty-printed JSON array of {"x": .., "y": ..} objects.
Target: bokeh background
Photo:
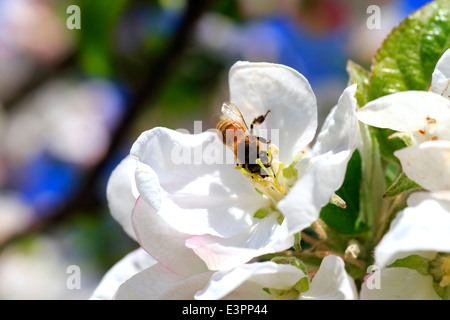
[{"x": 72, "y": 102}]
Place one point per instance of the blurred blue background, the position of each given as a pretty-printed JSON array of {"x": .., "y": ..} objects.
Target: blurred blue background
[{"x": 66, "y": 97}]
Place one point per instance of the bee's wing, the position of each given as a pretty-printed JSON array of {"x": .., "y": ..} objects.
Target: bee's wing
[{"x": 232, "y": 113}]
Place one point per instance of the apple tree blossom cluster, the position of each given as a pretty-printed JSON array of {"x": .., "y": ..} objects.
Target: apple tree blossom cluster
[{"x": 356, "y": 209}]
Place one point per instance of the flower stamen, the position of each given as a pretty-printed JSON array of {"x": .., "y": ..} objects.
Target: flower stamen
[{"x": 440, "y": 269}]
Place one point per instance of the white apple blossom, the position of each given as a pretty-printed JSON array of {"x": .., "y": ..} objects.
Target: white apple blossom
[
  {"x": 268, "y": 280},
  {"x": 130, "y": 265},
  {"x": 262, "y": 280},
  {"x": 414, "y": 256},
  {"x": 423, "y": 121},
  {"x": 208, "y": 206}
]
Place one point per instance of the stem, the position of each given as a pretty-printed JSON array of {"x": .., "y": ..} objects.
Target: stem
[
  {"x": 387, "y": 217},
  {"x": 316, "y": 243}
]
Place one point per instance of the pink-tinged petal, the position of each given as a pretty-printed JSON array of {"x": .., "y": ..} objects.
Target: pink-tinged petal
[
  {"x": 195, "y": 196},
  {"x": 421, "y": 230},
  {"x": 428, "y": 164},
  {"x": 258, "y": 87},
  {"x": 331, "y": 282},
  {"x": 266, "y": 236},
  {"x": 323, "y": 174},
  {"x": 440, "y": 82},
  {"x": 158, "y": 283},
  {"x": 399, "y": 284},
  {"x": 163, "y": 242},
  {"x": 130, "y": 265},
  {"x": 410, "y": 111},
  {"x": 122, "y": 193},
  {"x": 247, "y": 281}
]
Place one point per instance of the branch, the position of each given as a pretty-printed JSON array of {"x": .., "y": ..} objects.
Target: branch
[{"x": 146, "y": 92}]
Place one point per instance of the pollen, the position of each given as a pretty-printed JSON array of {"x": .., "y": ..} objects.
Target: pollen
[
  {"x": 421, "y": 131},
  {"x": 431, "y": 120},
  {"x": 445, "y": 268},
  {"x": 272, "y": 186}
]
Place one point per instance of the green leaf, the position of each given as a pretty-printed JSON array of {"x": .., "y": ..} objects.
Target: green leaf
[
  {"x": 406, "y": 61},
  {"x": 442, "y": 292},
  {"x": 347, "y": 221},
  {"x": 373, "y": 183},
  {"x": 360, "y": 77},
  {"x": 414, "y": 262},
  {"x": 302, "y": 285},
  {"x": 408, "y": 56},
  {"x": 297, "y": 242},
  {"x": 263, "y": 212},
  {"x": 98, "y": 20},
  {"x": 294, "y": 261},
  {"x": 402, "y": 184}
]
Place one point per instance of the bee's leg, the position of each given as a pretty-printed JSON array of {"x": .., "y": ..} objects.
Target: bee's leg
[
  {"x": 258, "y": 120},
  {"x": 263, "y": 140}
]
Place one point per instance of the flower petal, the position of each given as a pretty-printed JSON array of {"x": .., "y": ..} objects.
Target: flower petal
[
  {"x": 302, "y": 205},
  {"x": 340, "y": 130},
  {"x": 258, "y": 87},
  {"x": 441, "y": 76},
  {"x": 194, "y": 195},
  {"x": 410, "y": 111},
  {"x": 158, "y": 283},
  {"x": 122, "y": 193},
  {"x": 400, "y": 284},
  {"x": 443, "y": 197},
  {"x": 265, "y": 236},
  {"x": 247, "y": 281},
  {"x": 331, "y": 282},
  {"x": 130, "y": 265},
  {"x": 428, "y": 164},
  {"x": 421, "y": 230},
  {"x": 324, "y": 173},
  {"x": 163, "y": 242}
]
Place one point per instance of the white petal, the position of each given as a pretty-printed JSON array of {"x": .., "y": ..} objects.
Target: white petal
[
  {"x": 158, "y": 283},
  {"x": 122, "y": 193},
  {"x": 247, "y": 281},
  {"x": 324, "y": 173},
  {"x": 441, "y": 76},
  {"x": 258, "y": 87},
  {"x": 421, "y": 230},
  {"x": 164, "y": 243},
  {"x": 443, "y": 197},
  {"x": 340, "y": 130},
  {"x": 331, "y": 282},
  {"x": 130, "y": 265},
  {"x": 410, "y": 111},
  {"x": 266, "y": 236},
  {"x": 400, "y": 284},
  {"x": 428, "y": 164},
  {"x": 193, "y": 196}
]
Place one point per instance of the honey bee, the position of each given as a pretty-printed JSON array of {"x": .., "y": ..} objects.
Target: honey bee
[{"x": 238, "y": 137}]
